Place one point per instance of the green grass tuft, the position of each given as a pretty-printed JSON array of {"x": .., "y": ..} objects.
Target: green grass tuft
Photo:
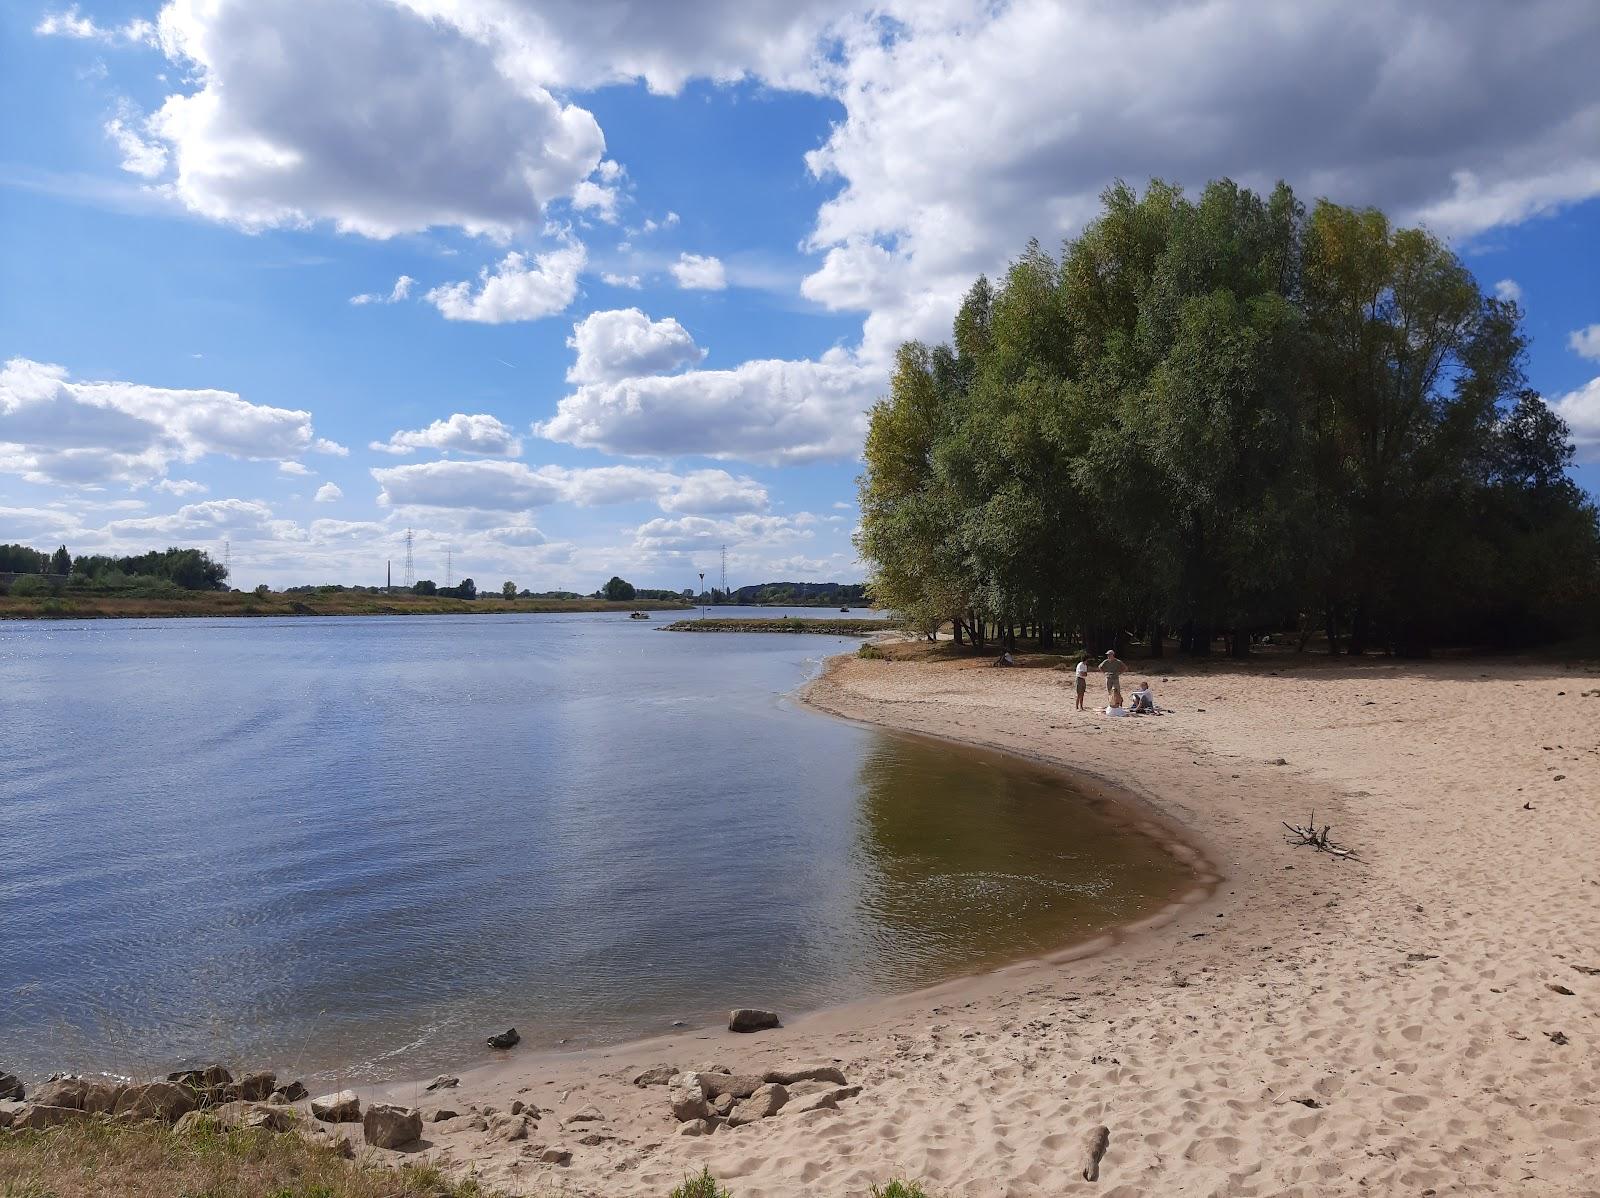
[{"x": 701, "y": 1186}]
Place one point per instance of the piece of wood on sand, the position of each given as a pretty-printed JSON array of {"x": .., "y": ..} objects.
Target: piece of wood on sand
[{"x": 1093, "y": 1149}]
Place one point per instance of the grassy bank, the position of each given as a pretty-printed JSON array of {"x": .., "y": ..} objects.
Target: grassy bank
[
  {"x": 87, "y": 606},
  {"x": 92, "y": 1158},
  {"x": 854, "y": 626}
]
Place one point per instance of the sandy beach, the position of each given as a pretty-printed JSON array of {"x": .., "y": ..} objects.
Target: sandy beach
[{"x": 1423, "y": 1020}]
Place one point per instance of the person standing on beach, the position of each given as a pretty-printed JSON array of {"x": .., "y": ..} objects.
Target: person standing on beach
[
  {"x": 1112, "y": 666},
  {"x": 1080, "y": 681}
]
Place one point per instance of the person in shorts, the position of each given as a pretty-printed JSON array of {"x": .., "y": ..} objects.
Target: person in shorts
[
  {"x": 1112, "y": 668},
  {"x": 1080, "y": 681}
]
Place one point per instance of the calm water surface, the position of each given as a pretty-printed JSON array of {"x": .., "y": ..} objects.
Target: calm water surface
[{"x": 365, "y": 843}]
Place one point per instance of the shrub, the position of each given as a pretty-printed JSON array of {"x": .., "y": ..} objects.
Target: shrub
[
  {"x": 701, "y": 1186},
  {"x": 899, "y": 1188},
  {"x": 871, "y": 652},
  {"x": 28, "y": 586}
]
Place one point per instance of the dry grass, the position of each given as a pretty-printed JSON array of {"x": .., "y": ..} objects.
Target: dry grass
[{"x": 96, "y": 1158}]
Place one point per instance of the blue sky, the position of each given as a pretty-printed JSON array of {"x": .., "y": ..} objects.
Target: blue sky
[{"x": 574, "y": 289}]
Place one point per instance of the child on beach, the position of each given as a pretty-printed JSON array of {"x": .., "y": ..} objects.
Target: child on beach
[
  {"x": 1080, "y": 680},
  {"x": 1144, "y": 700}
]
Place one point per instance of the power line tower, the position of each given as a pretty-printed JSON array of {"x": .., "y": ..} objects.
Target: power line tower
[
  {"x": 227, "y": 559},
  {"x": 724, "y": 573},
  {"x": 408, "y": 579},
  {"x": 449, "y": 566}
]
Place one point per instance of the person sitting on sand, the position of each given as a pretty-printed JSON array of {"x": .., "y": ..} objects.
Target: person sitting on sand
[
  {"x": 1080, "y": 680},
  {"x": 1144, "y": 700},
  {"x": 1112, "y": 667}
]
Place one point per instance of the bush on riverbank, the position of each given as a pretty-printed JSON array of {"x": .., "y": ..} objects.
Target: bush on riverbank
[{"x": 93, "y": 1158}]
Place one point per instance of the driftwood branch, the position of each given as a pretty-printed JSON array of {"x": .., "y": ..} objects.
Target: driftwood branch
[
  {"x": 1316, "y": 837},
  {"x": 1094, "y": 1148}
]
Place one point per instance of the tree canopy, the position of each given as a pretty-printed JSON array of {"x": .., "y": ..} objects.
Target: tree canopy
[{"x": 1225, "y": 415}]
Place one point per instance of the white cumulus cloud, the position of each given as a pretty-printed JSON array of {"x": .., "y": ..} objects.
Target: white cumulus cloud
[
  {"x": 57, "y": 429},
  {"x": 770, "y": 411},
  {"x": 363, "y": 113},
  {"x": 1581, "y": 410},
  {"x": 1585, "y": 342},
  {"x": 479, "y": 433},
  {"x": 328, "y": 493},
  {"x": 521, "y": 287},
  {"x": 624, "y": 342},
  {"x": 496, "y": 486},
  {"x": 699, "y": 272},
  {"x": 1509, "y": 289},
  {"x": 400, "y": 291}
]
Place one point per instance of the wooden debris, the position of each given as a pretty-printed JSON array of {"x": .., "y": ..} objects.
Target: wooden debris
[
  {"x": 1317, "y": 838},
  {"x": 1094, "y": 1149}
]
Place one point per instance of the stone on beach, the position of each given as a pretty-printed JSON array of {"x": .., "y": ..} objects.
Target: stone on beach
[
  {"x": 589, "y": 1114},
  {"x": 10, "y": 1108},
  {"x": 696, "y": 1127},
  {"x": 765, "y": 1102},
  {"x": 202, "y": 1079},
  {"x": 443, "y": 1082},
  {"x": 36, "y": 1116},
  {"x": 556, "y": 1156},
  {"x": 656, "y": 1075},
  {"x": 749, "y": 1019},
  {"x": 11, "y": 1087},
  {"x": 257, "y": 1087},
  {"x": 387, "y": 1125},
  {"x": 293, "y": 1092},
  {"x": 686, "y": 1098},
  {"x": 442, "y": 1114},
  {"x": 343, "y": 1107},
  {"x": 166, "y": 1101},
  {"x": 739, "y": 1085},
  {"x": 805, "y": 1073},
  {"x": 505, "y": 1039},
  {"x": 240, "y": 1113},
  {"x": 79, "y": 1094}
]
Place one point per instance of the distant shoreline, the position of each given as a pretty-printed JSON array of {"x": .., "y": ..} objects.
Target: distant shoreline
[
  {"x": 848, "y": 626},
  {"x": 245, "y": 604}
]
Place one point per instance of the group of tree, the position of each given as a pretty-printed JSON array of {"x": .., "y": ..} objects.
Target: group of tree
[
  {"x": 465, "y": 589},
  {"x": 1217, "y": 417},
  {"x": 796, "y": 594},
  {"x": 185, "y": 569}
]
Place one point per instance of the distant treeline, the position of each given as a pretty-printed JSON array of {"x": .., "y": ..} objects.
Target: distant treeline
[
  {"x": 1219, "y": 417},
  {"x": 158, "y": 570},
  {"x": 797, "y": 594}
]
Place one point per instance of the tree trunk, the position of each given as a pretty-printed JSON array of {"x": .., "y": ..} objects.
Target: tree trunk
[
  {"x": 955, "y": 628},
  {"x": 1156, "y": 640},
  {"x": 1047, "y": 637},
  {"x": 1239, "y": 643}
]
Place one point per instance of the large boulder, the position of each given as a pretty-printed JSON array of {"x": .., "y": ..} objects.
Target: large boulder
[
  {"x": 209, "y": 1078},
  {"x": 739, "y": 1085},
  {"x": 10, "y": 1108},
  {"x": 343, "y": 1107},
  {"x": 36, "y": 1116},
  {"x": 257, "y": 1087},
  {"x": 765, "y": 1102},
  {"x": 239, "y": 1114},
  {"x": 293, "y": 1092},
  {"x": 805, "y": 1073},
  {"x": 686, "y": 1098},
  {"x": 11, "y": 1087},
  {"x": 749, "y": 1019},
  {"x": 166, "y": 1102},
  {"x": 389, "y": 1126}
]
